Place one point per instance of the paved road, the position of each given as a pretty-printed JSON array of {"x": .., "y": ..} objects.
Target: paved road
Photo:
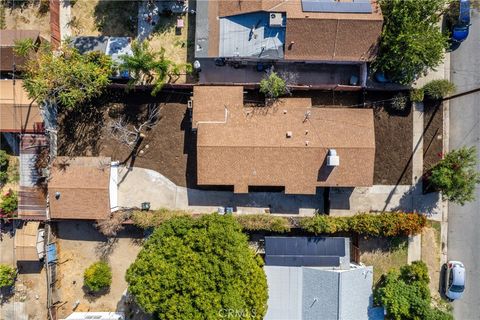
[{"x": 464, "y": 222}]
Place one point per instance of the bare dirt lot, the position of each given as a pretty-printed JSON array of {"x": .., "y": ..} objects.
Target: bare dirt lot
[
  {"x": 104, "y": 17},
  {"x": 31, "y": 17},
  {"x": 80, "y": 245},
  {"x": 432, "y": 139},
  {"x": 393, "y": 142},
  {"x": 168, "y": 147}
]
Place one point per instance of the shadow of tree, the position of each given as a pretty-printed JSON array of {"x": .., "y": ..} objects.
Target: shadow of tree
[{"x": 116, "y": 18}]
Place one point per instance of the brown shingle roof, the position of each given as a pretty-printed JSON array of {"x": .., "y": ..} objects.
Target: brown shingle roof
[
  {"x": 17, "y": 111},
  {"x": 7, "y": 42},
  {"x": 315, "y": 35},
  {"x": 252, "y": 148},
  {"x": 83, "y": 184},
  {"x": 213, "y": 105}
]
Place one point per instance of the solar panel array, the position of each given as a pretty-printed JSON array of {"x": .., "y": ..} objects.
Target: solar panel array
[
  {"x": 355, "y": 6},
  {"x": 304, "y": 251}
]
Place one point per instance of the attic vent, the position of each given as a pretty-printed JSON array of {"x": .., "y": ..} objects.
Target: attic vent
[
  {"x": 289, "y": 134},
  {"x": 333, "y": 160},
  {"x": 276, "y": 20}
]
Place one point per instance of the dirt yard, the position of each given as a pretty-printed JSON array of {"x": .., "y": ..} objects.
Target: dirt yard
[
  {"x": 432, "y": 139},
  {"x": 28, "y": 18},
  {"x": 104, "y": 17},
  {"x": 169, "y": 148},
  {"x": 383, "y": 254},
  {"x": 80, "y": 245},
  {"x": 393, "y": 143}
]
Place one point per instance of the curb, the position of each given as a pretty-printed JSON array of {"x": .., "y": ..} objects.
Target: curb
[{"x": 446, "y": 145}]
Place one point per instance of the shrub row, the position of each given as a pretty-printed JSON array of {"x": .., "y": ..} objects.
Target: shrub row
[
  {"x": 386, "y": 224},
  {"x": 379, "y": 225}
]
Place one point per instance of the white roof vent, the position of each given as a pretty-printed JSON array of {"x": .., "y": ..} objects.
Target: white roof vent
[
  {"x": 289, "y": 134},
  {"x": 333, "y": 160},
  {"x": 276, "y": 20}
]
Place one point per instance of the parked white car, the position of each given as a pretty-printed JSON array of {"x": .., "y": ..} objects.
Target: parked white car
[{"x": 454, "y": 280}]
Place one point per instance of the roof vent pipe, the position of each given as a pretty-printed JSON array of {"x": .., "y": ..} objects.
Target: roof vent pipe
[{"x": 333, "y": 160}]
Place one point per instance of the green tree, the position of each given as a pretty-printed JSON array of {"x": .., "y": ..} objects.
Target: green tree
[
  {"x": 9, "y": 202},
  {"x": 405, "y": 294},
  {"x": 456, "y": 175},
  {"x": 3, "y": 167},
  {"x": 7, "y": 276},
  {"x": 64, "y": 77},
  {"x": 412, "y": 41},
  {"x": 97, "y": 277},
  {"x": 150, "y": 67},
  {"x": 197, "y": 268},
  {"x": 273, "y": 86},
  {"x": 437, "y": 89}
]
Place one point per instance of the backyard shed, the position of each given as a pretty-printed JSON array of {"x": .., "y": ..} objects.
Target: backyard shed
[{"x": 29, "y": 242}]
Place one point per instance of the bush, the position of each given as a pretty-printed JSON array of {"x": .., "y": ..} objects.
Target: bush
[
  {"x": 149, "y": 219},
  {"x": 3, "y": 167},
  {"x": 273, "y": 86},
  {"x": 456, "y": 175},
  {"x": 7, "y": 276},
  {"x": 417, "y": 95},
  {"x": 263, "y": 222},
  {"x": 437, "y": 89},
  {"x": 399, "y": 102},
  {"x": 378, "y": 225},
  {"x": 194, "y": 268},
  {"x": 97, "y": 277},
  {"x": 9, "y": 202},
  {"x": 406, "y": 294}
]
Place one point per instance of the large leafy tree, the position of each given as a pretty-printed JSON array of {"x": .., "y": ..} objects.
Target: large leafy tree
[
  {"x": 63, "y": 77},
  {"x": 456, "y": 175},
  {"x": 198, "y": 269},
  {"x": 152, "y": 67},
  {"x": 412, "y": 41},
  {"x": 406, "y": 294}
]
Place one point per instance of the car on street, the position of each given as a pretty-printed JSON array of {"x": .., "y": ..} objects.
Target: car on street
[
  {"x": 461, "y": 23},
  {"x": 454, "y": 280}
]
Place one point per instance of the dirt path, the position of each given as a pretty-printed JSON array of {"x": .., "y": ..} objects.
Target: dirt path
[{"x": 431, "y": 256}]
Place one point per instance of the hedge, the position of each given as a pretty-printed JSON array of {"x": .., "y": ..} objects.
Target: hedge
[
  {"x": 386, "y": 224},
  {"x": 379, "y": 225},
  {"x": 263, "y": 222}
]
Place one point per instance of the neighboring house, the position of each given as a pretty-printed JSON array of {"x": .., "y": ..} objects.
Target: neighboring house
[
  {"x": 18, "y": 113},
  {"x": 300, "y": 31},
  {"x": 82, "y": 188},
  {"x": 312, "y": 278},
  {"x": 288, "y": 145},
  {"x": 111, "y": 46},
  {"x": 9, "y": 61}
]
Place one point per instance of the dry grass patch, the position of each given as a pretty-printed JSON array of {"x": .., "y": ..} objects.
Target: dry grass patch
[{"x": 383, "y": 254}]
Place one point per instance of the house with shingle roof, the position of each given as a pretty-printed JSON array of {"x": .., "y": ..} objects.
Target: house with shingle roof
[
  {"x": 299, "y": 31},
  {"x": 82, "y": 188},
  {"x": 312, "y": 278},
  {"x": 9, "y": 61},
  {"x": 289, "y": 144}
]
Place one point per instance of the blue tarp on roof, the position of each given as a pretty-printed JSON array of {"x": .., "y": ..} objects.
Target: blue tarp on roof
[{"x": 51, "y": 253}]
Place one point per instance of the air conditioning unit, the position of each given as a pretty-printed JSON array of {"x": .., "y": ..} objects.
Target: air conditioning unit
[
  {"x": 333, "y": 160},
  {"x": 276, "y": 20}
]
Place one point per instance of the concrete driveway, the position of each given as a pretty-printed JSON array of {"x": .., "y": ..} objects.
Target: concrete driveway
[{"x": 139, "y": 185}]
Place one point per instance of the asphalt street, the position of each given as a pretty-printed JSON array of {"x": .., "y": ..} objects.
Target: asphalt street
[{"x": 464, "y": 222}]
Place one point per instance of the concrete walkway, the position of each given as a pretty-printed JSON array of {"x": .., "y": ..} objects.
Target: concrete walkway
[
  {"x": 65, "y": 18},
  {"x": 139, "y": 185}
]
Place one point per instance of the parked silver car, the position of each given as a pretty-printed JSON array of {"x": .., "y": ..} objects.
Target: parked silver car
[{"x": 454, "y": 280}]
